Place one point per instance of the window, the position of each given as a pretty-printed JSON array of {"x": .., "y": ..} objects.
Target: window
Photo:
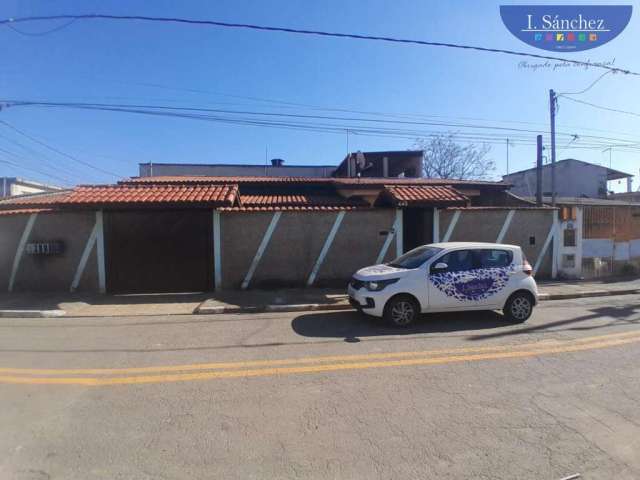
[
  {"x": 458, "y": 260},
  {"x": 569, "y": 261},
  {"x": 415, "y": 257},
  {"x": 570, "y": 237},
  {"x": 487, "y": 258}
]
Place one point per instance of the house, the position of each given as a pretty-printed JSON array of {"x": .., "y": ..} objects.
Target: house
[
  {"x": 12, "y": 186},
  {"x": 574, "y": 178},
  {"x": 365, "y": 164},
  {"x": 275, "y": 168},
  {"x": 200, "y": 233},
  {"x": 596, "y": 237},
  {"x": 633, "y": 197},
  {"x": 387, "y": 164}
]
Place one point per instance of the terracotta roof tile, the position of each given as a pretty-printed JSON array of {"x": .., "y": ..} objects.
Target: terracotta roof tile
[
  {"x": 24, "y": 211},
  {"x": 422, "y": 194},
  {"x": 214, "y": 195},
  {"x": 34, "y": 199},
  {"x": 300, "y": 202},
  {"x": 296, "y": 200}
]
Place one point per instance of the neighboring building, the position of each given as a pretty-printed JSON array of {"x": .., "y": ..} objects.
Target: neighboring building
[
  {"x": 365, "y": 164},
  {"x": 199, "y": 233},
  {"x": 633, "y": 197},
  {"x": 391, "y": 164},
  {"x": 12, "y": 186},
  {"x": 275, "y": 168},
  {"x": 574, "y": 178},
  {"x": 596, "y": 237}
]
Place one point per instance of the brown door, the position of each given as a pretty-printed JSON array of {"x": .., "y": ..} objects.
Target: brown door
[{"x": 158, "y": 251}]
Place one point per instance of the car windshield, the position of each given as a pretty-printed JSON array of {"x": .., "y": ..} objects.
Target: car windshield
[{"x": 415, "y": 257}]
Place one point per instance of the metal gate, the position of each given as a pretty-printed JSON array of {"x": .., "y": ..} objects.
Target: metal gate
[{"x": 152, "y": 251}]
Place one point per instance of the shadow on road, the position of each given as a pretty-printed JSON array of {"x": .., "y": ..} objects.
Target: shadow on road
[
  {"x": 618, "y": 315},
  {"x": 352, "y": 325}
]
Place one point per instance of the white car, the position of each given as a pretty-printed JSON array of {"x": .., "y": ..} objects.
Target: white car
[{"x": 447, "y": 277}]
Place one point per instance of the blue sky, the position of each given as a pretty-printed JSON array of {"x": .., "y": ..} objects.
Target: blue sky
[{"x": 133, "y": 62}]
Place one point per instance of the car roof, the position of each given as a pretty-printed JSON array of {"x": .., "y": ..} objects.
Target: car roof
[{"x": 473, "y": 245}]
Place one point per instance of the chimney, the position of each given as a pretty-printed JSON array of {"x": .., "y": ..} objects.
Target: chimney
[{"x": 277, "y": 162}]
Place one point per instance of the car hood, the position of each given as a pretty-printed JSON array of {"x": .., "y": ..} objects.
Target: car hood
[{"x": 379, "y": 272}]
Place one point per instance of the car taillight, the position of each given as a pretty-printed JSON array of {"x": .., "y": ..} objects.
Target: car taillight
[{"x": 526, "y": 268}]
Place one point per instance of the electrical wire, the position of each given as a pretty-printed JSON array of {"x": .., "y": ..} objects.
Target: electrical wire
[
  {"x": 589, "y": 87},
  {"x": 309, "y": 32},
  {"x": 41, "y": 34},
  {"x": 40, "y": 172},
  {"x": 235, "y": 116},
  {"x": 59, "y": 152},
  {"x": 626, "y": 112}
]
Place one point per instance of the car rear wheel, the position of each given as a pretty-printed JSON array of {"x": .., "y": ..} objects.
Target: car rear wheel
[
  {"x": 401, "y": 311},
  {"x": 519, "y": 307}
]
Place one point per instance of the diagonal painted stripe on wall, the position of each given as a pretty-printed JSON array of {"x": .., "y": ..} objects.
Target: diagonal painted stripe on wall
[
  {"x": 545, "y": 247},
  {"x": 452, "y": 225},
  {"x": 325, "y": 248},
  {"x": 263, "y": 246},
  {"x": 20, "y": 250},
  {"x": 505, "y": 226},
  {"x": 91, "y": 241}
]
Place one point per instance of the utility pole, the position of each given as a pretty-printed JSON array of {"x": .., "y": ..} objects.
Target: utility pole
[
  {"x": 539, "y": 170},
  {"x": 553, "y": 100},
  {"x": 507, "y": 156}
]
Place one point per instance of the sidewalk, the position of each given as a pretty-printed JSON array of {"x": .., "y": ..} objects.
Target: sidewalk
[
  {"x": 324, "y": 299},
  {"x": 35, "y": 305}
]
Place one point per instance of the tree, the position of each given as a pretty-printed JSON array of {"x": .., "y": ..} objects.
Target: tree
[{"x": 444, "y": 158}]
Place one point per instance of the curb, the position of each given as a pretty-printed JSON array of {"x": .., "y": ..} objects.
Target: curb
[
  {"x": 301, "y": 307},
  {"x": 305, "y": 307},
  {"x": 587, "y": 294},
  {"x": 32, "y": 313}
]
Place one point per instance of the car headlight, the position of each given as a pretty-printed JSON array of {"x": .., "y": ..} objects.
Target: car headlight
[{"x": 378, "y": 285}]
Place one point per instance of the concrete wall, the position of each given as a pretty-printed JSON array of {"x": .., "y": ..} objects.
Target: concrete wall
[
  {"x": 48, "y": 272},
  {"x": 296, "y": 244},
  {"x": 484, "y": 225}
]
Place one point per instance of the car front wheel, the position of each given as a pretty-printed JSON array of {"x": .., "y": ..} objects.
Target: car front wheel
[
  {"x": 519, "y": 307},
  {"x": 401, "y": 311}
]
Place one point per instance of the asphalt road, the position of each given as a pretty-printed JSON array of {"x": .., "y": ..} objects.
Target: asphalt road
[{"x": 326, "y": 395}]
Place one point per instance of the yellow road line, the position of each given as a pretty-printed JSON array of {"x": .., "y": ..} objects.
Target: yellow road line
[
  {"x": 565, "y": 347},
  {"x": 301, "y": 360}
]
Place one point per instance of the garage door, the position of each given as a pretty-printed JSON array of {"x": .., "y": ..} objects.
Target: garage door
[{"x": 158, "y": 251}]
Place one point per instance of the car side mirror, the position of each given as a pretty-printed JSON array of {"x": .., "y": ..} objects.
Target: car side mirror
[{"x": 439, "y": 267}]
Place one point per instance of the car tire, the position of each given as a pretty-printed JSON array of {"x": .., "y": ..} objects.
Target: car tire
[
  {"x": 519, "y": 307},
  {"x": 401, "y": 311}
]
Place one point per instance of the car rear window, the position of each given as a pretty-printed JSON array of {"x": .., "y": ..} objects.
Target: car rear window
[{"x": 493, "y": 258}]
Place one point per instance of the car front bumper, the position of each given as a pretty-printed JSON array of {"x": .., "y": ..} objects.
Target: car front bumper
[{"x": 371, "y": 303}]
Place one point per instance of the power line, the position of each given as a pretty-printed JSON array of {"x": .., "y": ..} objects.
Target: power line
[
  {"x": 309, "y": 32},
  {"x": 45, "y": 160},
  {"x": 41, "y": 34},
  {"x": 626, "y": 112},
  {"x": 40, "y": 172},
  {"x": 172, "y": 111},
  {"x": 589, "y": 87},
  {"x": 59, "y": 152}
]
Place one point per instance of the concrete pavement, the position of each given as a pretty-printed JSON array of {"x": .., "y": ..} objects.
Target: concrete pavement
[{"x": 469, "y": 406}]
